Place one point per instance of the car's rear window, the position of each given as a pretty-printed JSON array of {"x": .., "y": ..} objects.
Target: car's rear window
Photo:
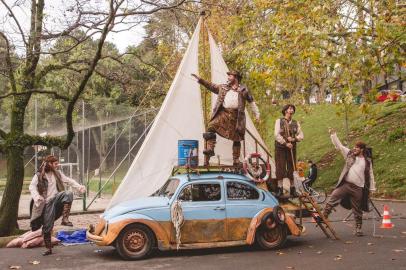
[{"x": 240, "y": 191}]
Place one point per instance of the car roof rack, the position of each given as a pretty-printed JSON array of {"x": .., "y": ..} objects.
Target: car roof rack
[{"x": 206, "y": 169}]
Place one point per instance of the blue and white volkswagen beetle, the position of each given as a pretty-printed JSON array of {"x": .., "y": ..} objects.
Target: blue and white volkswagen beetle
[{"x": 213, "y": 209}]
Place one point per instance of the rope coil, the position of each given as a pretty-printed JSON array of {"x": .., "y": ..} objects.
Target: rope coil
[{"x": 177, "y": 219}]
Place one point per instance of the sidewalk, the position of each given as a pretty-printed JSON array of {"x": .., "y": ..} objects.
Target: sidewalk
[{"x": 79, "y": 218}]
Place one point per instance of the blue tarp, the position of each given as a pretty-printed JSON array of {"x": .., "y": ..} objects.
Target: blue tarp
[{"x": 75, "y": 237}]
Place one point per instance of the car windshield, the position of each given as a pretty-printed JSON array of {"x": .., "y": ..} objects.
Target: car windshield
[{"x": 168, "y": 189}]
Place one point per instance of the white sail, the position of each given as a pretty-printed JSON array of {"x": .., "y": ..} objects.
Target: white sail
[
  {"x": 180, "y": 118},
  {"x": 219, "y": 71}
]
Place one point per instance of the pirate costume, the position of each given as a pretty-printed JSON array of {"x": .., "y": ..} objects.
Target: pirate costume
[
  {"x": 228, "y": 116},
  {"x": 284, "y": 156},
  {"x": 50, "y": 200},
  {"x": 354, "y": 185}
]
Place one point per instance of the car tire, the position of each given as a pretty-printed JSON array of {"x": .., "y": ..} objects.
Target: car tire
[
  {"x": 271, "y": 239},
  {"x": 135, "y": 242}
]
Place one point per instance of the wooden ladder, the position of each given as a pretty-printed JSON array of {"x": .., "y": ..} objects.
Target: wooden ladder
[{"x": 314, "y": 209}]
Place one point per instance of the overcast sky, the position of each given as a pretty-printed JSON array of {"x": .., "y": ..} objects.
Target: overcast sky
[{"x": 122, "y": 39}]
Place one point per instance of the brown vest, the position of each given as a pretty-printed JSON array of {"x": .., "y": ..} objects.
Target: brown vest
[
  {"x": 349, "y": 161},
  {"x": 42, "y": 185},
  {"x": 293, "y": 130}
]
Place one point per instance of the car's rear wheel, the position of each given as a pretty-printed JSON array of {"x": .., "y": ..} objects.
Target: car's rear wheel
[
  {"x": 135, "y": 242},
  {"x": 271, "y": 238}
]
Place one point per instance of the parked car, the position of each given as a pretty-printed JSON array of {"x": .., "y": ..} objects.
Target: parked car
[{"x": 219, "y": 209}]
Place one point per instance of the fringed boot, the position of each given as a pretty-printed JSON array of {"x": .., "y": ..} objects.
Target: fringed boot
[
  {"x": 210, "y": 139},
  {"x": 65, "y": 215},
  {"x": 48, "y": 244},
  {"x": 236, "y": 154}
]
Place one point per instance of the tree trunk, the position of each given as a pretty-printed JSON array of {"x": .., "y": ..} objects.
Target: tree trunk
[
  {"x": 15, "y": 168},
  {"x": 11, "y": 197}
]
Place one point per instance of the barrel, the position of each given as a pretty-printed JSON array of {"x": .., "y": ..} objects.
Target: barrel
[{"x": 188, "y": 153}]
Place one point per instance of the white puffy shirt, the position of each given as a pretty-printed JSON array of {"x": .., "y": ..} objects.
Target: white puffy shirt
[
  {"x": 231, "y": 100},
  {"x": 52, "y": 189}
]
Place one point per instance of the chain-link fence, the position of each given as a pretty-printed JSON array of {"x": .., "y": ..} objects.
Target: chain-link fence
[{"x": 107, "y": 138}]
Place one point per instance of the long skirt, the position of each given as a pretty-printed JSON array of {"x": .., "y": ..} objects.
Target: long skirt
[{"x": 225, "y": 124}]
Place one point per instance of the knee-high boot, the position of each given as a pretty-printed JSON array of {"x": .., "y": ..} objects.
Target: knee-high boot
[
  {"x": 48, "y": 244},
  {"x": 65, "y": 215},
  {"x": 236, "y": 154},
  {"x": 210, "y": 141}
]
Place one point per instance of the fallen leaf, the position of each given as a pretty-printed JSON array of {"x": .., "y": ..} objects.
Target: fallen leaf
[
  {"x": 279, "y": 253},
  {"x": 398, "y": 250},
  {"x": 299, "y": 252},
  {"x": 35, "y": 262},
  {"x": 319, "y": 252},
  {"x": 290, "y": 267},
  {"x": 404, "y": 232},
  {"x": 348, "y": 242},
  {"x": 370, "y": 244},
  {"x": 371, "y": 252},
  {"x": 310, "y": 246},
  {"x": 15, "y": 267},
  {"x": 393, "y": 259}
]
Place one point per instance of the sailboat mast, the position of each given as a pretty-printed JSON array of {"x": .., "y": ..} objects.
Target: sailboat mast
[{"x": 203, "y": 14}]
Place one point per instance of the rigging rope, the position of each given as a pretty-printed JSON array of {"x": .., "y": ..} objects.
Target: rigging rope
[{"x": 177, "y": 220}]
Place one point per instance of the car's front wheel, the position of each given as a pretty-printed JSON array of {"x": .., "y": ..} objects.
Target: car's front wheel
[
  {"x": 271, "y": 238},
  {"x": 135, "y": 242}
]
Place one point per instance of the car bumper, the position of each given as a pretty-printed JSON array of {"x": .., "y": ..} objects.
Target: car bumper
[{"x": 98, "y": 234}]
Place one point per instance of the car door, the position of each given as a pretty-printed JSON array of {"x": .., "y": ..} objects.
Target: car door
[
  {"x": 203, "y": 207},
  {"x": 242, "y": 203}
]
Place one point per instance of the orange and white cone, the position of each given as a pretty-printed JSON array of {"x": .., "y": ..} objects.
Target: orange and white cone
[{"x": 386, "y": 222}]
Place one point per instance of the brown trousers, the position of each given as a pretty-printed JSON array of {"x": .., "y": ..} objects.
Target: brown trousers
[
  {"x": 344, "y": 190},
  {"x": 284, "y": 163}
]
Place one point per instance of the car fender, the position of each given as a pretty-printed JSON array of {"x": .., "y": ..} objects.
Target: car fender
[
  {"x": 256, "y": 222},
  {"x": 118, "y": 224}
]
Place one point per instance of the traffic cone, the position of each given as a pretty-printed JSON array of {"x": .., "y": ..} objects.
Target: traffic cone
[{"x": 386, "y": 222}]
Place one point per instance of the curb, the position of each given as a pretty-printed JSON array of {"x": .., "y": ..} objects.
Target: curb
[
  {"x": 96, "y": 211},
  {"x": 388, "y": 200}
]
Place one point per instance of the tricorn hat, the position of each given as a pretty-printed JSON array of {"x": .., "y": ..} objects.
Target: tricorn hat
[{"x": 236, "y": 74}]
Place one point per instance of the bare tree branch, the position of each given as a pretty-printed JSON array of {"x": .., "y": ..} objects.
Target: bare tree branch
[
  {"x": 78, "y": 42},
  {"x": 141, "y": 12},
  {"x": 9, "y": 64},
  {"x": 107, "y": 27},
  {"x": 56, "y": 67},
  {"x": 37, "y": 91},
  {"x": 65, "y": 32},
  {"x": 16, "y": 21}
]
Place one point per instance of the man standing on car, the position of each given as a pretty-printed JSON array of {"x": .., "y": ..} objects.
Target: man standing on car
[
  {"x": 355, "y": 182},
  {"x": 50, "y": 199},
  {"x": 287, "y": 134},
  {"x": 228, "y": 116}
]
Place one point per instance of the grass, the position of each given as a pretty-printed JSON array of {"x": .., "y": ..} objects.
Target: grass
[{"x": 381, "y": 126}]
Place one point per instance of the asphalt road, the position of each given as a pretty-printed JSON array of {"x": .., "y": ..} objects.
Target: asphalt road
[{"x": 386, "y": 250}]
